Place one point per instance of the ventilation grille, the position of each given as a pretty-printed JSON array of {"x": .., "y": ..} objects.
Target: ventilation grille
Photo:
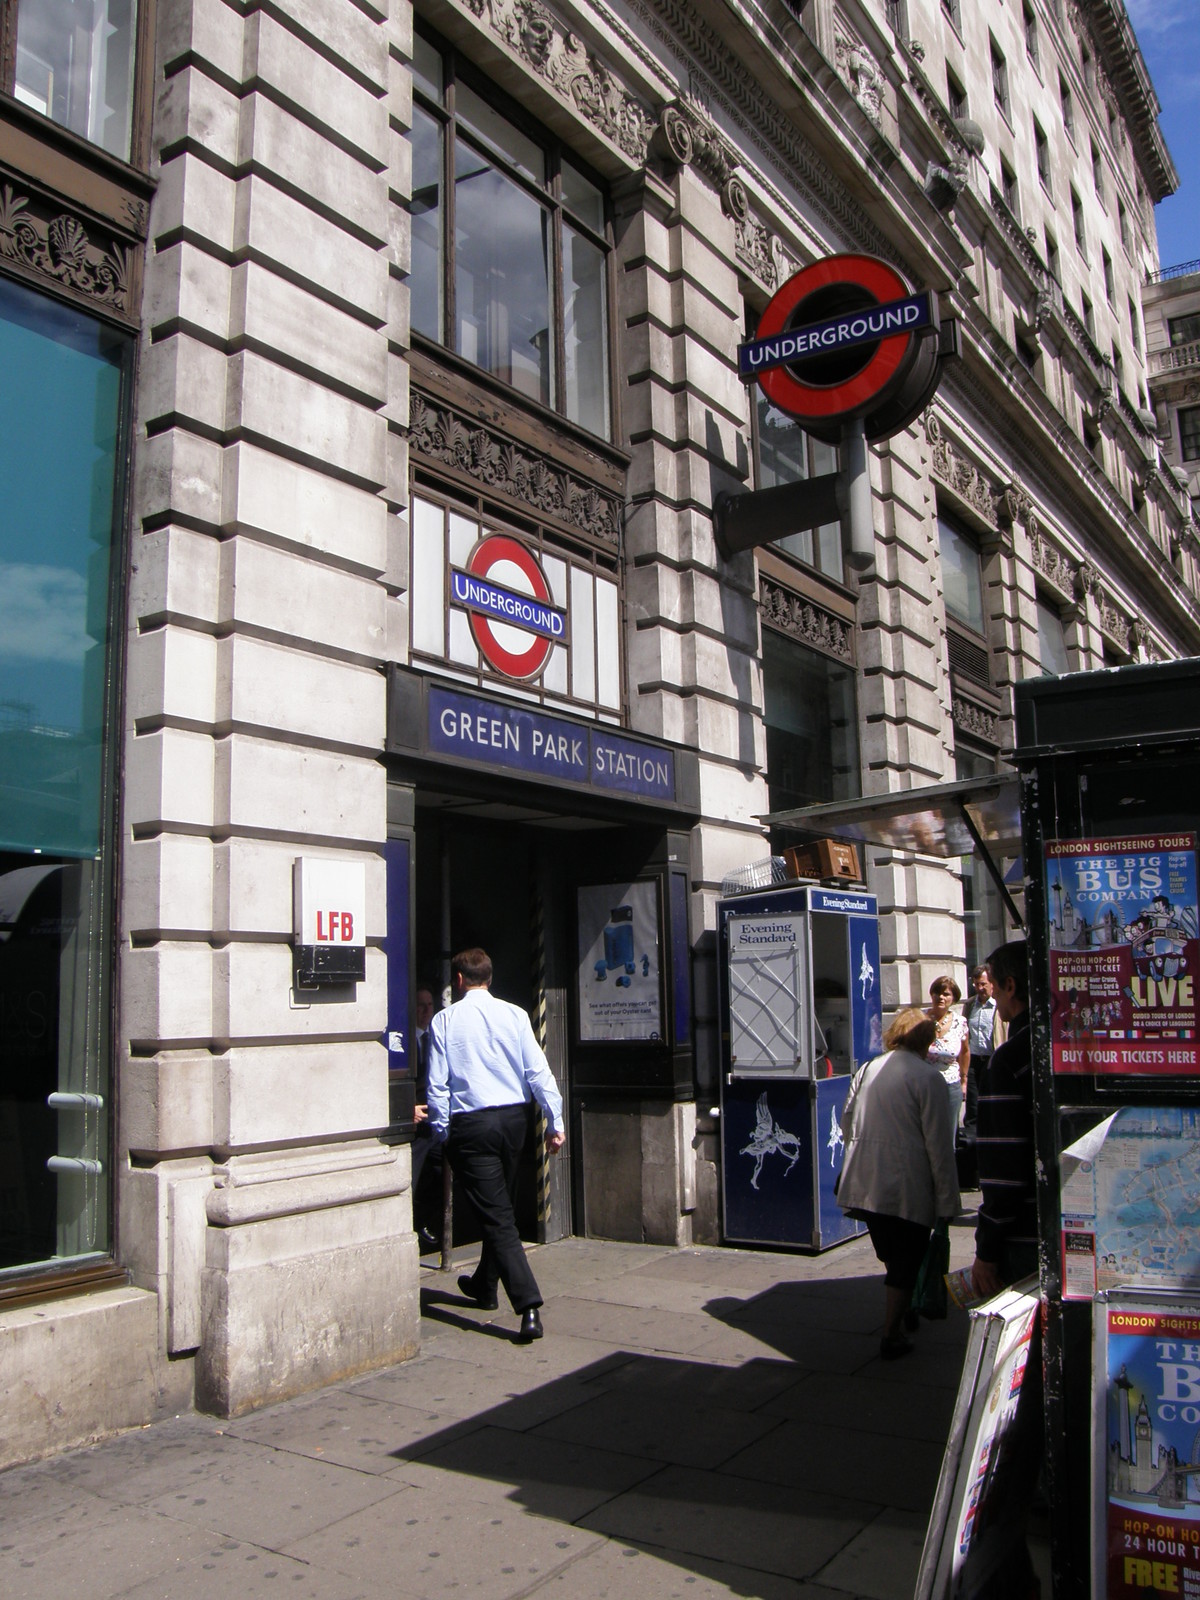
[{"x": 968, "y": 659}]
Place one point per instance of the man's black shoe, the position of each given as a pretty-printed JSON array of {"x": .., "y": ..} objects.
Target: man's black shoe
[
  {"x": 467, "y": 1286},
  {"x": 531, "y": 1326}
]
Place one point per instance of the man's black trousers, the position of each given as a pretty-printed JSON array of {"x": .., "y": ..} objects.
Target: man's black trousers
[{"x": 484, "y": 1150}]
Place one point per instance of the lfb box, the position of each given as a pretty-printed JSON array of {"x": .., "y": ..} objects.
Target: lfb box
[{"x": 330, "y": 920}]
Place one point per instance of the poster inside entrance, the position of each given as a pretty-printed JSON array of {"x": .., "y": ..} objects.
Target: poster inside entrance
[{"x": 620, "y": 995}]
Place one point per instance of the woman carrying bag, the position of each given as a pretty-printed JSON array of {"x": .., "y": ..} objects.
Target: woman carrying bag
[{"x": 898, "y": 1173}]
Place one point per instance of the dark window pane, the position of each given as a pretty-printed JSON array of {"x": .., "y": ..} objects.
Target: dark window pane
[
  {"x": 499, "y": 134},
  {"x": 1189, "y": 432},
  {"x": 811, "y": 725},
  {"x": 425, "y": 209},
  {"x": 502, "y": 276},
  {"x": 1184, "y": 330}
]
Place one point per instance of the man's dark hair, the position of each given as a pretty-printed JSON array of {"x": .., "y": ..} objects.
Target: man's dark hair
[
  {"x": 474, "y": 966},
  {"x": 975, "y": 971},
  {"x": 1011, "y": 960}
]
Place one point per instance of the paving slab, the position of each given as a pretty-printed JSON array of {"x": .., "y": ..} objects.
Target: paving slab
[
  {"x": 868, "y": 1404},
  {"x": 550, "y": 1477},
  {"x": 658, "y": 1428},
  {"x": 272, "y": 1489},
  {"x": 455, "y": 1387},
  {"x": 621, "y": 1327},
  {"x": 882, "y": 1562},
  {"x": 347, "y": 1428},
  {"x": 246, "y": 1572},
  {"x": 620, "y": 1571},
  {"x": 427, "y": 1548},
  {"x": 758, "y": 1526},
  {"x": 687, "y": 1381},
  {"x": 819, "y": 1458}
]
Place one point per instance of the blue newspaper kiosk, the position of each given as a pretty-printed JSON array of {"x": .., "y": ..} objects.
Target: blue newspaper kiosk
[{"x": 798, "y": 975}]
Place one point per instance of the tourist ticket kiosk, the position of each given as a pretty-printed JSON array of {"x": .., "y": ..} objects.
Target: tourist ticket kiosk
[{"x": 798, "y": 970}]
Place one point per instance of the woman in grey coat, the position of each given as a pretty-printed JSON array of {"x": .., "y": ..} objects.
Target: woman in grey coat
[{"x": 898, "y": 1172}]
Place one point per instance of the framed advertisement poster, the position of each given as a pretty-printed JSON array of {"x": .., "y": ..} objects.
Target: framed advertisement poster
[
  {"x": 1147, "y": 1508},
  {"x": 1124, "y": 946},
  {"x": 620, "y": 962}
]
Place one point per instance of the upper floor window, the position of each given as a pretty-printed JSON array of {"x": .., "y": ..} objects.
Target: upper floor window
[
  {"x": 1184, "y": 330},
  {"x": 1008, "y": 185},
  {"x": 956, "y": 96},
  {"x": 1109, "y": 286},
  {"x": 1097, "y": 171},
  {"x": 1123, "y": 224},
  {"x": 999, "y": 78},
  {"x": 1053, "y": 263},
  {"x": 950, "y": 7},
  {"x": 1068, "y": 106},
  {"x": 784, "y": 453},
  {"x": 1135, "y": 327},
  {"x": 1052, "y": 641},
  {"x": 1077, "y": 223},
  {"x": 962, "y": 589},
  {"x": 1189, "y": 432},
  {"x": 1042, "y": 147},
  {"x": 510, "y": 245},
  {"x": 1031, "y": 33},
  {"x": 73, "y": 61}
]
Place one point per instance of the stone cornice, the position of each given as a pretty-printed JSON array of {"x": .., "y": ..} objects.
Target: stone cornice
[
  {"x": 500, "y": 466},
  {"x": 805, "y": 621},
  {"x": 61, "y": 250}
]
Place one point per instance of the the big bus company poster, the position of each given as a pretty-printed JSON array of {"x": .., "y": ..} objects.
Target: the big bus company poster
[
  {"x": 1124, "y": 954},
  {"x": 1148, "y": 1525}
]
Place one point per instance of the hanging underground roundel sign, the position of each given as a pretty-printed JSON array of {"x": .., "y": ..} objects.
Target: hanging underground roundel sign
[
  {"x": 845, "y": 338},
  {"x": 513, "y": 618}
]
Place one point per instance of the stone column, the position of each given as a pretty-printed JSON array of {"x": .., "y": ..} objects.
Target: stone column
[
  {"x": 694, "y": 666},
  {"x": 257, "y": 1196}
]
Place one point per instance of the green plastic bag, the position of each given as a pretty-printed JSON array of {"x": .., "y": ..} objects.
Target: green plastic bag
[{"x": 929, "y": 1296}]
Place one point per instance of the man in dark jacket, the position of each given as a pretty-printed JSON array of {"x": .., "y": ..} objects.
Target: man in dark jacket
[{"x": 1006, "y": 1230}]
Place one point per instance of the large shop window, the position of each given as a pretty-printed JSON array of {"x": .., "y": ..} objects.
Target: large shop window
[
  {"x": 811, "y": 723},
  {"x": 509, "y": 244},
  {"x": 61, "y": 409},
  {"x": 74, "y": 62}
]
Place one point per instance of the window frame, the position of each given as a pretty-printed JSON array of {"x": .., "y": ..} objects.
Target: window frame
[
  {"x": 971, "y": 661},
  {"x": 1189, "y": 334},
  {"x": 1189, "y": 433},
  {"x": 1000, "y": 90},
  {"x": 47, "y": 128},
  {"x": 548, "y": 194}
]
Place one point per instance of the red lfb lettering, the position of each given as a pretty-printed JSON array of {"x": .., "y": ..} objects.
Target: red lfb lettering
[{"x": 347, "y": 927}]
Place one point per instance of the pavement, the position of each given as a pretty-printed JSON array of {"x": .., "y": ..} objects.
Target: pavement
[{"x": 696, "y": 1423}]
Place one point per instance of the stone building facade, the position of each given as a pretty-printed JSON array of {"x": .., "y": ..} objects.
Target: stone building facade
[
  {"x": 1171, "y": 307},
  {"x": 404, "y": 312}
]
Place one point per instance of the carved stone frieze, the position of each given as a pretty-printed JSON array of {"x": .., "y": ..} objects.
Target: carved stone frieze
[
  {"x": 803, "y": 620},
  {"x": 1057, "y": 568},
  {"x": 959, "y": 474},
  {"x": 687, "y": 136},
  {"x": 59, "y": 247},
  {"x": 753, "y": 248},
  {"x": 859, "y": 70},
  {"x": 976, "y": 721},
  {"x": 1087, "y": 581},
  {"x": 579, "y": 76},
  {"x": 498, "y": 464},
  {"x": 1114, "y": 622}
]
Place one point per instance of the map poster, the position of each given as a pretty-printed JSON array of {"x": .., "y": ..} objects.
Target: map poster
[
  {"x": 1148, "y": 1452},
  {"x": 619, "y": 987},
  {"x": 1124, "y": 945},
  {"x": 1130, "y": 1201}
]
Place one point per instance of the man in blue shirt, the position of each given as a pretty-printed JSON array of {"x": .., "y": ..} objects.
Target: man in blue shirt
[{"x": 485, "y": 1070}]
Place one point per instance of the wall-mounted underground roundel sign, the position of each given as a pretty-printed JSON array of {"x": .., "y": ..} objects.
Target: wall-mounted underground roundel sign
[
  {"x": 844, "y": 338},
  {"x": 513, "y": 618}
]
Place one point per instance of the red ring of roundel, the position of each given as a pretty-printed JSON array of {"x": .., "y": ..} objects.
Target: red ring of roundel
[
  {"x": 803, "y": 400},
  {"x": 499, "y": 547}
]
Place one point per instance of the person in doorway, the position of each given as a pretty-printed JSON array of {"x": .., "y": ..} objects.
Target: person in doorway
[
  {"x": 984, "y": 1031},
  {"x": 950, "y": 1051},
  {"x": 898, "y": 1172},
  {"x": 1006, "y": 1229},
  {"x": 426, "y": 1154},
  {"x": 485, "y": 1070}
]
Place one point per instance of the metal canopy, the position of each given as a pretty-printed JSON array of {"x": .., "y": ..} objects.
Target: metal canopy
[{"x": 937, "y": 819}]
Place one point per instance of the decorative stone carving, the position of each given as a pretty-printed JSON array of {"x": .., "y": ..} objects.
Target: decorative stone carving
[
  {"x": 60, "y": 249},
  {"x": 857, "y": 66},
  {"x": 441, "y": 434},
  {"x": 976, "y": 721},
  {"x": 1139, "y": 636},
  {"x": 1057, "y": 568},
  {"x": 687, "y": 136},
  {"x": 1012, "y": 504},
  {"x": 959, "y": 474},
  {"x": 564, "y": 61},
  {"x": 753, "y": 247},
  {"x": 1114, "y": 622},
  {"x": 810, "y": 624},
  {"x": 1087, "y": 580},
  {"x": 944, "y": 184}
]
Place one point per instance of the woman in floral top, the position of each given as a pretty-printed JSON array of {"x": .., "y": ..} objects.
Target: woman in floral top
[{"x": 950, "y": 1051}]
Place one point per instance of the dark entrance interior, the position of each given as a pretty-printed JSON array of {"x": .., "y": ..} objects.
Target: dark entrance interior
[{"x": 501, "y": 885}]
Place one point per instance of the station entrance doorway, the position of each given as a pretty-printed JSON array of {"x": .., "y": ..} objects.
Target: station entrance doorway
[{"x": 501, "y": 885}]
